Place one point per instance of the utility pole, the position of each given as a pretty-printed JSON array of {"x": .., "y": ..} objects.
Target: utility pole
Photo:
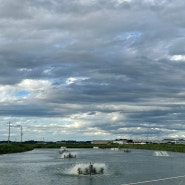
[
  {"x": 9, "y": 133},
  {"x": 21, "y": 134}
]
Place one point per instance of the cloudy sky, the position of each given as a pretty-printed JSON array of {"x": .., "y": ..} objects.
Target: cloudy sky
[{"x": 92, "y": 69}]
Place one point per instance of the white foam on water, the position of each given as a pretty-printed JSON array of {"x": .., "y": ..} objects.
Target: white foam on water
[
  {"x": 67, "y": 153},
  {"x": 161, "y": 153},
  {"x": 74, "y": 170},
  {"x": 114, "y": 149}
]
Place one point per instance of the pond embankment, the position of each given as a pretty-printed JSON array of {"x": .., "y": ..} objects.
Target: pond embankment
[
  {"x": 22, "y": 147},
  {"x": 15, "y": 148}
]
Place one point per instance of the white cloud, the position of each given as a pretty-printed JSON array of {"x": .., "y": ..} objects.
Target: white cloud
[
  {"x": 33, "y": 85},
  {"x": 178, "y": 58},
  {"x": 77, "y": 80},
  {"x": 23, "y": 91}
]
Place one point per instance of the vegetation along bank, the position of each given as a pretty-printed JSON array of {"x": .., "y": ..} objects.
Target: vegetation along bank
[{"x": 6, "y": 148}]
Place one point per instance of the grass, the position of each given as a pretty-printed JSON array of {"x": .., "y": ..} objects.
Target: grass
[
  {"x": 21, "y": 147},
  {"x": 14, "y": 148}
]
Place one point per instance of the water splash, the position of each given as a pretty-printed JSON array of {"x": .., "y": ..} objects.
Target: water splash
[
  {"x": 161, "y": 153},
  {"x": 63, "y": 155},
  {"x": 74, "y": 170}
]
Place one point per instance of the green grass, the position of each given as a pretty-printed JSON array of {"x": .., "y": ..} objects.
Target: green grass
[
  {"x": 19, "y": 147},
  {"x": 14, "y": 148},
  {"x": 164, "y": 147}
]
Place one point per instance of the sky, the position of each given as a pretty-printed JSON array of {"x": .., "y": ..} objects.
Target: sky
[{"x": 92, "y": 69}]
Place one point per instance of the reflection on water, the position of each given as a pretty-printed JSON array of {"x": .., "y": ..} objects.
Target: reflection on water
[{"x": 46, "y": 167}]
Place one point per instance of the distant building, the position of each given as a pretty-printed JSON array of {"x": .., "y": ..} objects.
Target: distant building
[
  {"x": 101, "y": 142},
  {"x": 168, "y": 141},
  {"x": 180, "y": 141},
  {"x": 122, "y": 141},
  {"x": 174, "y": 141}
]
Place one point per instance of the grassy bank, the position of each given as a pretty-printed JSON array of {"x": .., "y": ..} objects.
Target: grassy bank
[
  {"x": 14, "y": 148},
  {"x": 18, "y": 147},
  {"x": 8, "y": 148},
  {"x": 164, "y": 147}
]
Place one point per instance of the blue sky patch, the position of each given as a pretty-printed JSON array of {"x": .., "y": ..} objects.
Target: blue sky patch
[{"x": 22, "y": 94}]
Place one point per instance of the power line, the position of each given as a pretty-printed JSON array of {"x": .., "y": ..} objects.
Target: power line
[{"x": 9, "y": 131}]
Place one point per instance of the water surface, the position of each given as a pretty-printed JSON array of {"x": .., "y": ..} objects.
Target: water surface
[{"x": 47, "y": 167}]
